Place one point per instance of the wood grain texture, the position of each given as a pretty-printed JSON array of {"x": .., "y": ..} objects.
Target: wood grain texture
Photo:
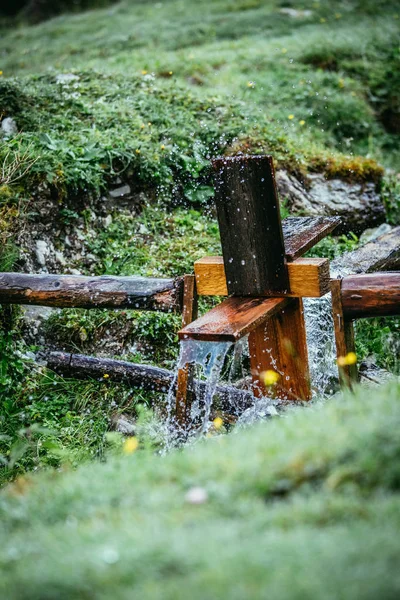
[
  {"x": 344, "y": 335},
  {"x": 280, "y": 345},
  {"x": 184, "y": 385},
  {"x": 372, "y": 295},
  {"x": 234, "y": 318},
  {"x": 302, "y": 233},
  {"x": 250, "y": 225},
  {"x": 308, "y": 277},
  {"x": 91, "y": 292},
  {"x": 138, "y": 376}
]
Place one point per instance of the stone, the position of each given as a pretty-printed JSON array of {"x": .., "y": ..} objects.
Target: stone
[
  {"x": 359, "y": 204},
  {"x": 107, "y": 221},
  {"x": 60, "y": 258},
  {"x": 375, "y": 232},
  {"x": 124, "y": 425},
  {"x": 380, "y": 254},
  {"x": 42, "y": 252},
  {"x": 120, "y": 192},
  {"x": 8, "y": 127}
]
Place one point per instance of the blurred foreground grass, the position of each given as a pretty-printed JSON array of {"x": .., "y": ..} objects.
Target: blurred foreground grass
[{"x": 306, "y": 506}]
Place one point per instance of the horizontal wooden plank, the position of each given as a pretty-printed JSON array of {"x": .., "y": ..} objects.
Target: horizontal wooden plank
[
  {"x": 79, "y": 291},
  {"x": 308, "y": 277},
  {"x": 302, "y": 233},
  {"x": 371, "y": 295},
  {"x": 234, "y": 318}
]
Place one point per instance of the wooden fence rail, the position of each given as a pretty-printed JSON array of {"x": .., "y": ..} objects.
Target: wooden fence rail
[{"x": 78, "y": 291}]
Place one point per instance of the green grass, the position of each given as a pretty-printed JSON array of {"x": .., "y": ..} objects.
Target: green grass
[
  {"x": 305, "y": 506},
  {"x": 159, "y": 89}
]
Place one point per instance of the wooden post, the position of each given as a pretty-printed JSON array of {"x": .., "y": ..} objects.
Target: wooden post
[
  {"x": 344, "y": 335},
  {"x": 280, "y": 345},
  {"x": 184, "y": 389},
  {"x": 250, "y": 226}
]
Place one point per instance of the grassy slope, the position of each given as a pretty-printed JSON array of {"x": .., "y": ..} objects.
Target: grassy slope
[
  {"x": 335, "y": 70},
  {"x": 305, "y": 506}
]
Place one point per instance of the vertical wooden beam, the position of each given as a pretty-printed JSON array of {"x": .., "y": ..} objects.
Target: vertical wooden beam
[
  {"x": 344, "y": 335},
  {"x": 250, "y": 226},
  {"x": 184, "y": 389},
  {"x": 280, "y": 345}
]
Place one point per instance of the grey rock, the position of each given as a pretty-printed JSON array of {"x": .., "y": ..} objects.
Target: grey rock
[
  {"x": 107, "y": 221},
  {"x": 120, "y": 192},
  {"x": 8, "y": 127},
  {"x": 42, "y": 252},
  {"x": 380, "y": 254},
  {"x": 60, "y": 258},
  {"x": 359, "y": 205},
  {"x": 125, "y": 425},
  {"x": 375, "y": 232}
]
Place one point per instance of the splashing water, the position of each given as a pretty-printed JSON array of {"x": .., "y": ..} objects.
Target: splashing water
[{"x": 207, "y": 360}]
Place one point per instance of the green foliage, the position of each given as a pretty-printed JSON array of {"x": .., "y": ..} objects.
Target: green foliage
[
  {"x": 333, "y": 247},
  {"x": 319, "y": 488},
  {"x": 379, "y": 340},
  {"x": 391, "y": 198}
]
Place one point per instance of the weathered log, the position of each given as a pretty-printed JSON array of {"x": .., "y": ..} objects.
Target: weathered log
[
  {"x": 381, "y": 254},
  {"x": 184, "y": 382},
  {"x": 145, "y": 377},
  {"x": 372, "y": 295},
  {"x": 250, "y": 225},
  {"x": 344, "y": 336},
  {"x": 234, "y": 318},
  {"x": 91, "y": 292}
]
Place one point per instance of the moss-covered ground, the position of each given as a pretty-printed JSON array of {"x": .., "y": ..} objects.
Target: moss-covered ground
[
  {"x": 147, "y": 92},
  {"x": 306, "y": 506}
]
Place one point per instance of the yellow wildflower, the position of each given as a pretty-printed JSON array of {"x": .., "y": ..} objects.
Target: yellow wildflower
[
  {"x": 142, "y": 126},
  {"x": 341, "y": 83},
  {"x": 162, "y": 147},
  {"x": 106, "y": 376},
  {"x": 284, "y": 50},
  {"x": 170, "y": 72},
  {"x": 251, "y": 84},
  {"x": 130, "y": 445},
  {"x": 218, "y": 422},
  {"x": 144, "y": 72},
  {"x": 137, "y": 151},
  {"x": 1, "y": 72},
  {"x": 290, "y": 117},
  {"x": 302, "y": 122},
  {"x": 349, "y": 359},
  {"x": 270, "y": 377}
]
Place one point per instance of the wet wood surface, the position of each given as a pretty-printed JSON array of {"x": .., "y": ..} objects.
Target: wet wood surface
[
  {"x": 302, "y": 233},
  {"x": 371, "y": 295},
  {"x": 91, "y": 292},
  {"x": 184, "y": 382},
  {"x": 280, "y": 345},
  {"x": 250, "y": 225},
  {"x": 234, "y": 318},
  {"x": 308, "y": 277},
  {"x": 344, "y": 335},
  {"x": 145, "y": 377}
]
